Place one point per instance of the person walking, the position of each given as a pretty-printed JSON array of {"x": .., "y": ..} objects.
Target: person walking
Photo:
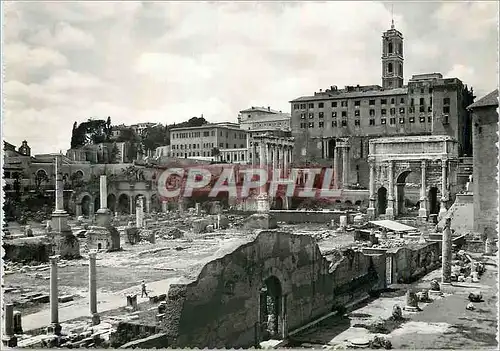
[{"x": 143, "y": 291}]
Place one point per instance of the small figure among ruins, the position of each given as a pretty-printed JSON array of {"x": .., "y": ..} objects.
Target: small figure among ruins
[{"x": 143, "y": 289}]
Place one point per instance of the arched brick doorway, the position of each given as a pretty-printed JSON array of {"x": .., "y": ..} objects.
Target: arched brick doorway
[
  {"x": 382, "y": 200},
  {"x": 272, "y": 311}
]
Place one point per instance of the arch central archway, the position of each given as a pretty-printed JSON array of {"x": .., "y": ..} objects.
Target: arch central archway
[
  {"x": 400, "y": 192},
  {"x": 123, "y": 204},
  {"x": 433, "y": 201},
  {"x": 381, "y": 200}
]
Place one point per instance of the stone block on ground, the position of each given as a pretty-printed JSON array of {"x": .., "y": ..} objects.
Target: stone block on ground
[
  {"x": 260, "y": 221},
  {"x": 66, "y": 298},
  {"x": 199, "y": 225}
]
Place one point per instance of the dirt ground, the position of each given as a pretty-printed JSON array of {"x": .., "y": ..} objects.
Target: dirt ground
[{"x": 443, "y": 323}]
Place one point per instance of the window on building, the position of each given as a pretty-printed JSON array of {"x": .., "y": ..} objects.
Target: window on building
[
  {"x": 412, "y": 119},
  {"x": 311, "y": 105},
  {"x": 402, "y": 101},
  {"x": 422, "y": 90},
  {"x": 372, "y": 121},
  {"x": 303, "y": 125},
  {"x": 383, "y": 121},
  {"x": 422, "y": 119},
  {"x": 344, "y": 123},
  {"x": 392, "y": 121},
  {"x": 412, "y": 102},
  {"x": 446, "y": 101},
  {"x": 302, "y": 106},
  {"x": 343, "y": 103},
  {"x": 401, "y": 110},
  {"x": 393, "y": 101},
  {"x": 411, "y": 109},
  {"x": 321, "y": 105},
  {"x": 227, "y": 145},
  {"x": 357, "y": 113},
  {"x": 371, "y": 102},
  {"x": 296, "y": 106},
  {"x": 334, "y": 123},
  {"x": 445, "y": 119},
  {"x": 321, "y": 115},
  {"x": 321, "y": 124},
  {"x": 383, "y": 112},
  {"x": 411, "y": 91},
  {"x": 429, "y": 109},
  {"x": 344, "y": 113},
  {"x": 357, "y": 103},
  {"x": 422, "y": 101},
  {"x": 205, "y": 134},
  {"x": 357, "y": 122},
  {"x": 311, "y": 115},
  {"x": 334, "y": 103},
  {"x": 400, "y": 49},
  {"x": 372, "y": 112},
  {"x": 390, "y": 48},
  {"x": 392, "y": 111},
  {"x": 311, "y": 124},
  {"x": 213, "y": 133},
  {"x": 334, "y": 114},
  {"x": 401, "y": 120},
  {"x": 422, "y": 108},
  {"x": 383, "y": 101}
]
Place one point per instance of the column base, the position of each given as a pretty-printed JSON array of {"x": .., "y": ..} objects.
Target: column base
[
  {"x": 389, "y": 213},
  {"x": 59, "y": 221},
  {"x": 422, "y": 213},
  {"x": 9, "y": 341},
  {"x": 103, "y": 217},
  {"x": 54, "y": 328},
  {"x": 96, "y": 319},
  {"x": 370, "y": 212}
]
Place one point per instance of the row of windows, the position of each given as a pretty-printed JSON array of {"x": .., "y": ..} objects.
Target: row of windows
[
  {"x": 383, "y": 112},
  {"x": 209, "y": 154},
  {"x": 357, "y": 122},
  {"x": 241, "y": 136},
  {"x": 205, "y": 145},
  {"x": 371, "y": 102}
]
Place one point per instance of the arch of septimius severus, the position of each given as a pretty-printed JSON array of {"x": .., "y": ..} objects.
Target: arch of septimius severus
[{"x": 391, "y": 160}]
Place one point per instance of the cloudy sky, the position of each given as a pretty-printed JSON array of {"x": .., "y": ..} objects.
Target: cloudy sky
[{"x": 166, "y": 62}]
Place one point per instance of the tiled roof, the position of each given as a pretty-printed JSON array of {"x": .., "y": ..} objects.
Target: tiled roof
[
  {"x": 489, "y": 100},
  {"x": 354, "y": 94}
]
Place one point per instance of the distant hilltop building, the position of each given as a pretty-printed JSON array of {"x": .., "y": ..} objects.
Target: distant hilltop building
[
  {"x": 255, "y": 118},
  {"x": 334, "y": 120}
]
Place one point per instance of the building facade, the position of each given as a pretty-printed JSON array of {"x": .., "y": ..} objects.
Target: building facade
[
  {"x": 428, "y": 105},
  {"x": 263, "y": 118},
  {"x": 485, "y": 161},
  {"x": 207, "y": 140}
]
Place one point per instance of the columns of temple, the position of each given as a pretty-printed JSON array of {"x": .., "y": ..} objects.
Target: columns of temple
[
  {"x": 345, "y": 166},
  {"x": 422, "y": 212},
  {"x": 93, "y": 287},
  {"x": 54, "y": 296},
  {"x": 389, "y": 212},
  {"x": 262, "y": 153},
  {"x": 371, "y": 209},
  {"x": 444, "y": 188},
  {"x": 103, "y": 192},
  {"x": 336, "y": 166}
]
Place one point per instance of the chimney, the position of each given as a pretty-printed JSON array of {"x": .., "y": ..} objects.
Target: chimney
[
  {"x": 321, "y": 90},
  {"x": 269, "y": 108}
]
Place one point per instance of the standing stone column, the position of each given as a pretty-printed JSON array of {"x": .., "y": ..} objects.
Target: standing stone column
[
  {"x": 103, "y": 192},
  {"x": 285, "y": 162},
  {"x": 422, "y": 212},
  {"x": 93, "y": 287},
  {"x": 54, "y": 296},
  {"x": 268, "y": 154},
  {"x": 139, "y": 212},
  {"x": 275, "y": 157},
  {"x": 444, "y": 188},
  {"x": 336, "y": 166},
  {"x": 148, "y": 205},
  {"x": 59, "y": 184},
  {"x": 131, "y": 205},
  {"x": 389, "y": 212},
  {"x": 371, "y": 209},
  {"x": 262, "y": 154},
  {"x": 8, "y": 337},
  {"x": 345, "y": 167},
  {"x": 446, "y": 253}
]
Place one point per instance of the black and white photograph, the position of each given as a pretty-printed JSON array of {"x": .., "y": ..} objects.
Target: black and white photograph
[{"x": 250, "y": 175}]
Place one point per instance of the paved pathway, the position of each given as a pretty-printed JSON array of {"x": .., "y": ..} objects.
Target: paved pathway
[{"x": 106, "y": 302}]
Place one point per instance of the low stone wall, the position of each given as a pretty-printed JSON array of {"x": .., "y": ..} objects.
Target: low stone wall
[
  {"x": 128, "y": 331},
  {"x": 298, "y": 217},
  {"x": 476, "y": 246},
  {"x": 35, "y": 249},
  {"x": 409, "y": 263}
]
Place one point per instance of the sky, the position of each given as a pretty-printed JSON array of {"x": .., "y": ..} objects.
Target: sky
[{"x": 167, "y": 62}]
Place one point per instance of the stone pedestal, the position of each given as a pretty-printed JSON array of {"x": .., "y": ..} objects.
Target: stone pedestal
[
  {"x": 411, "y": 302},
  {"x": 389, "y": 211},
  {"x": 103, "y": 217},
  {"x": 343, "y": 222},
  {"x": 8, "y": 337},
  {"x": 59, "y": 222}
]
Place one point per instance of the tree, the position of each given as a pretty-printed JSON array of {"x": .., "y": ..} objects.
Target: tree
[
  {"x": 215, "y": 152},
  {"x": 154, "y": 137},
  {"x": 94, "y": 131}
]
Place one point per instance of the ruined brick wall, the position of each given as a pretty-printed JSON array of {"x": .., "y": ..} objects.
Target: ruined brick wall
[
  {"x": 485, "y": 160},
  {"x": 221, "y": 308},
  {"x": 408, "y": 263}
]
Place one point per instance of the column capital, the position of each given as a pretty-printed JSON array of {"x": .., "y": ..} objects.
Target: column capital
[
  {"x": 54, "y": 259},
  {"x": 92, "y": 253},
  {"x": 423, "y": 163}
]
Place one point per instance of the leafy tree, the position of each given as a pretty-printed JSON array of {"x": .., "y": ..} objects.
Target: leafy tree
[
  {"x": 94, "y": 131},
  {"x": 154, "y": 137},
  {"x": 215, "y": 152}
]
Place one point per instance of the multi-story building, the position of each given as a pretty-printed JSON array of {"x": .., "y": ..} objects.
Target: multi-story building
[
  {"x": 428, "y": 105},
  {"x": 205, "y": 141},
  {"x": 263, "y": 118}
]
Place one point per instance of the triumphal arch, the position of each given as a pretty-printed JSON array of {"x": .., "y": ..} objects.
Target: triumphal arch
[{"x": 430, "y": 161}]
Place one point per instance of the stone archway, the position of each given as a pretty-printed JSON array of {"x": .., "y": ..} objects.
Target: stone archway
[
  {"x": 123, "y": 205},
  {"x": 112, "y": 202},
  {"x": 86, "y": 204},
  {"x": 400, "y": 192},
  {"x": 381, "y": 200},
  {"x": 271, "y": 314},
  {"x": 433, "y": 200}
]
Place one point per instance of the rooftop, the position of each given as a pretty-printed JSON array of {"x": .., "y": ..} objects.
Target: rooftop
[
  {"x": 345, "y": 93},
  {"x": 227, "y": 125},
  {"x": 489, "y": 100},
  {"x": 260, "y": 109},
  {"x": 269, "y": 118}
]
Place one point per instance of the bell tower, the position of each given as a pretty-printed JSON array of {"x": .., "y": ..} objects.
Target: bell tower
[{"x": 392, "y": 58}]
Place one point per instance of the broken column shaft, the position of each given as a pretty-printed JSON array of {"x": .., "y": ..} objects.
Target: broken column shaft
[
  {"x": 103, "y": 191},
  {"x": 54, "y": 308},
  {"x": 93, "y": 287},
  {"x": 446, "y": 253},
  {"x": 8, "y": 319}
]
